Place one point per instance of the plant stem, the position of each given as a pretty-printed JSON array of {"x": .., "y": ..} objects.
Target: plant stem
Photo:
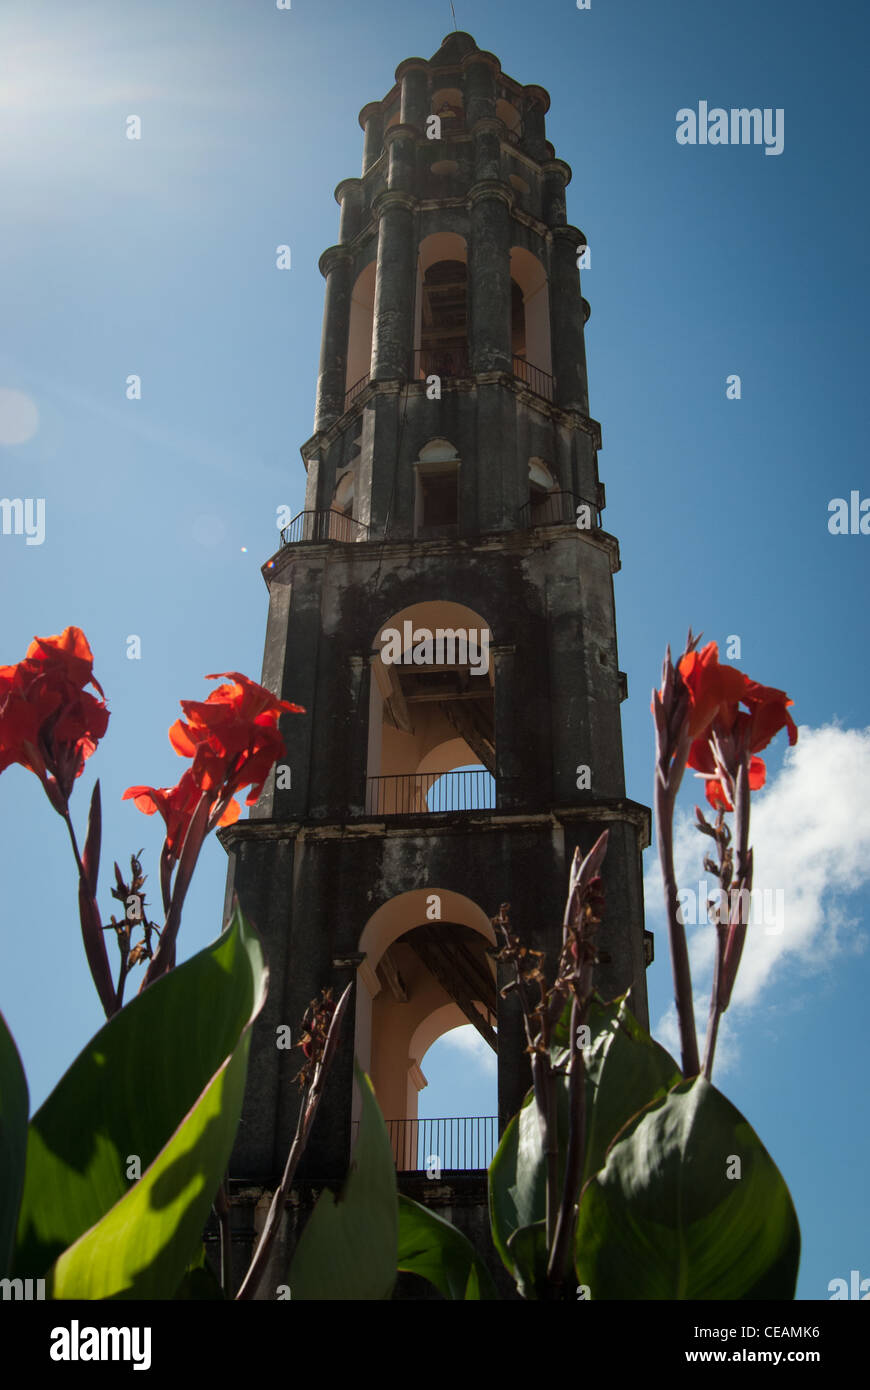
[
  {"x": 676, "y": 930},
  {"x": 308, "y": 1110},
  {"x": 94, "y": 942},
  {"x": 560, "y": 1249}
]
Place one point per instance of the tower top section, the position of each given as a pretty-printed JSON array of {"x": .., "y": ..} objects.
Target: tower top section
[{"x": 462, "y": 85}]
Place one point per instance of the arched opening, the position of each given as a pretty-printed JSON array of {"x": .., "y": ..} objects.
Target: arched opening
[
  {"x": 425, "y": 970},
  {"x": 530, "y": 317},
  {"x": 341, "y": 522},
  {"x": 441, "y": 324},
  {"x": 507, "y": 112},
  {"x": 436, "y": 501},
  {"x": 362, "y": 319},
  {"x": 457, "y": 1110},
  {"x": 431, "y": 712},
  {"x": 547, "y": 504},
  {"x": 447, "y": 104}
]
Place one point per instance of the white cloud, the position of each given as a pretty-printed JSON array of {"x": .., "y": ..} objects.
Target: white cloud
[
  {"x": 810, "y": 831},
  {"x": 468, "y": 1041}
]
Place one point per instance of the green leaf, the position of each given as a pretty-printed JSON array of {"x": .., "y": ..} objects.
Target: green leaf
[
  {"x": 349, "y": 1245},
  {"x": 625, "y": 1069},
  {"x": 529, "y": 1252},
  {"x": 437, "y": 1251},
  {"x": 200, "y": 1282},
  {"x": 161, "y": 1082},
  {"x": 664, "y": 1220},
  {"x": 14, "y": 1108},
  {"x": 517, "y": 1177}
]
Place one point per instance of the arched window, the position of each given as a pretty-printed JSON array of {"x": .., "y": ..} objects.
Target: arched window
[
  {"x": 362, "y": 315},
  {"x": 341, "y": 510},
  {"x": 542, "y": 486},
  {"x": 420, "y": 977},
  {"x": 447, "y": 104},
  {"x": 441, "y": 319},
  {"x": 444, "y": 329},
  {"x": 436, "y": 510},
  {"x": 530, "y": 318},
  {"x": 432, "y": 712},
  {"x": 342, "y": 500}
]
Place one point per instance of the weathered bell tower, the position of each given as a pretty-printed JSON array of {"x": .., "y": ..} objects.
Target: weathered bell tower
[{"x": 444, "y": 602}]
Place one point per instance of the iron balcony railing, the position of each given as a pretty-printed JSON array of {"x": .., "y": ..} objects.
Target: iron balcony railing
[
  {"x": 456, "y": 362},
  {"x": 452, "y": 361},
  {"x": 457, "y": 1143},
  {"x": 559, "y": 509},
  {"x": 324, "y": 525},
  {"x": 412, "y": 793},
  {"x": 541, "y": 382},
  {"x": 356, "y": 390}
]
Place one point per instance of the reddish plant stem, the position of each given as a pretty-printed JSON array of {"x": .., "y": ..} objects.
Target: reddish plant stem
[
  {"x": 560, "y": 1248},
  {"x": 679, "y": 949},
  {"x": 308, "y": 1110},
  {"x": 94, "y": 942}
]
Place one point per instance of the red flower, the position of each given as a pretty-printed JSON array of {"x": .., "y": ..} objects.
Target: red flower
[
  {"x": 49, "y": 723},
  {"x": 232, "y": 736},
  {"x": 715, "y": 695},
  {"x": 709, "y": 685},
  {"x": 176, "y": 805}
]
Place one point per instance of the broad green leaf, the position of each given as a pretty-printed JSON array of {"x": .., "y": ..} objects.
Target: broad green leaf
[
  {"x": 436, "y": 1250},
  {"x": 14, "y": 1106},
  {"x": 142, "y": 1247},
  {"x": 517, "y": 1176},
  {"x": 200, "y": 1283},
  {"x": 160, "y": 1083},
  {"x": 669, "y": 1218},
  {"x": 625, "y": 1069},
  {"x": 529, "y": 1252},
  {"x": 349, "y": 1245}
]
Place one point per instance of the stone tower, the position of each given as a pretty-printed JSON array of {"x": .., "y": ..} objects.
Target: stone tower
[{"x": 444, "y": 601}]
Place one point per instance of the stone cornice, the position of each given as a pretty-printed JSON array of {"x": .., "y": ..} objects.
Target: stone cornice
[
  {"x": 610, "y": 810},
  {"x": 557, "y": 166},
  {"x": 371, "y": 108},
  {"x": 374, "y": 550},
  {"x": 490, "y": 188},
  {"x": 565, "y": 232},
  {"x": 324, "y": 438},
  {"x": 390, "y": 198},
  {"x": 400, "y": 132},
  {"x": 482, "y": 55},
  {"x": 344, "y": 185},
  {"x": 535, "y": 93},
  {"x": 408, "y": 63},
  {"x": 492, "y": 125},
  {"x": 332, "y": 257}
]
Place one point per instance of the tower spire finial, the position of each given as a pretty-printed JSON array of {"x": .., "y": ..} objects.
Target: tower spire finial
[{"x": 453, "y": 12}]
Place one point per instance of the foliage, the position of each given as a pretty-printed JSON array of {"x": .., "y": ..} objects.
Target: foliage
[{"x": 621, "y": 1170}]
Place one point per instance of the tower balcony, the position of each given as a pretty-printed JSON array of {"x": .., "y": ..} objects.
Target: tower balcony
[
  {"x": 326, "y": 524},
  {"x": 422, "y": 793},
  {"x": 451, "y": 1144},
  {"x": 453, "y": 363},
  {"x": 559, "y": 509}
]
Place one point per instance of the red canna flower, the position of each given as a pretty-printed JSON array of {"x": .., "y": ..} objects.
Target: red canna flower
[
  {"x": 176, "y": 805},
  {"x": 232, "y": 736},
  {"x": 701, "y": 758},
  {"x": 49, "y": 723},
  {"x": 710, "y": 686},
  {"x": 715, "y": 695}
]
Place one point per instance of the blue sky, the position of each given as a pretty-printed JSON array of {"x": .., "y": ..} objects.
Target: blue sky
[{"x": 157, "y": 257}]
